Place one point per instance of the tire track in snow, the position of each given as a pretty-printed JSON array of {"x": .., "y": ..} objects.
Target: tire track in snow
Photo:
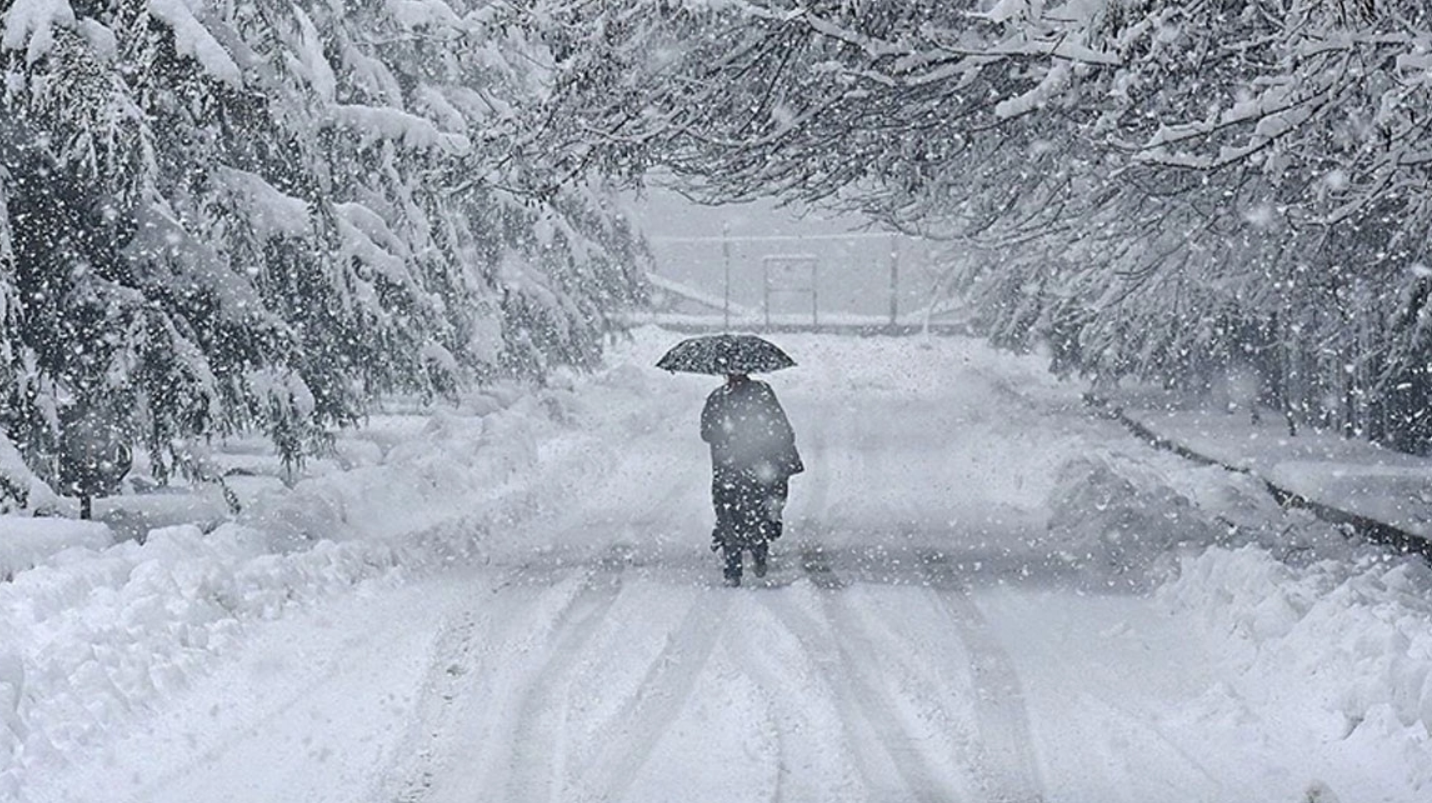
[
  {"x": 466, "y": 726},
  {"x": 843, "y": 656},
  {"x": 536, "y": 751},
  {"x": 452, "y": 651},
  {"x": 1005, "y": 759},
  {"x": 1177, "y": 768},
  {"x": 669, "y": 681},
  {"x": 768, "y": 681},
  {"x": 866, "y": 710}
]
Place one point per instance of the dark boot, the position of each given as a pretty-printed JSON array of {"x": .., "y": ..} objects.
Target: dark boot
[{"x": 759, "y": 554}]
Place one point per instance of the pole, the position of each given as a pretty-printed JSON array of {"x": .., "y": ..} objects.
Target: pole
[
  {"x": 726, "y": 260},
  {"x": 766, "y": 290},
  {"x": 814, "y": 303},
  {"x": 894, "y": 280}
]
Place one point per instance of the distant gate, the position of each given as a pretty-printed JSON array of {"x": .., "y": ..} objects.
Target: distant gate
[
  {"x": 860, "y": 281},
  {"x": 790, "y": 274}
]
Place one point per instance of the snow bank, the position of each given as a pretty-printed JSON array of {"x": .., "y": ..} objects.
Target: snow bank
[
  {"x": 451, "y": 468},
  {"x": 26, "y": 541},
  {"x": 1308, "y": 616},
  {"x": 1352, "y": 638},
  {"x": 92, "y": 634},
  {"x": 1125, "y": 519},
  {"x": 1304, "y": 617},
  {"x": 1116, "y": 518}
]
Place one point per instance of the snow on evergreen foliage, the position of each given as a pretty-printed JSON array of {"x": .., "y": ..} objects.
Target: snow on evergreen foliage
[
  {"x": 221, "y": 217},
  {"x": 20, "y": 489}
]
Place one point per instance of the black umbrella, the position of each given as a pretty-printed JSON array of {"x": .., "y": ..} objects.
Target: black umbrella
[{"x": 725, "y": 354}]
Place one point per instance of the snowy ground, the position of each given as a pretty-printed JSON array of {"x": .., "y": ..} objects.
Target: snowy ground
[{"x": 984, "y": 594}]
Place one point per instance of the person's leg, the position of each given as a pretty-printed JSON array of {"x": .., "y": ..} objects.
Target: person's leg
[
  {"x": 732, "y": 569},
  {"x": 728, "y": 500},
  {"x": 745, "y": 516},
  {"x": 750, "y": 511},
  {"x": 723, "y": 500}
]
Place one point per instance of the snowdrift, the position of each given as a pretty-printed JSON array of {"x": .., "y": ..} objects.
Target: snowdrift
[{"x": 93, "y": 632}]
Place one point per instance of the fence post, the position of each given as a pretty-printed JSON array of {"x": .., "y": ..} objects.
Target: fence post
[
  {"x": 814, "y": 301},
  {"x": 894, "y": 280},
  {"x": 726, "y": 261}
]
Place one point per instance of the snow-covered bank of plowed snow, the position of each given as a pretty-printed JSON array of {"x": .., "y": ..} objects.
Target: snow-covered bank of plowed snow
[
  {"x": 984, "y": 594},
  {"x": 93, "y": 640}
]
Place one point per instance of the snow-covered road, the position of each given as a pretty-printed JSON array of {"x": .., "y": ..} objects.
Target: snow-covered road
[{"x": 937, "y": 626}]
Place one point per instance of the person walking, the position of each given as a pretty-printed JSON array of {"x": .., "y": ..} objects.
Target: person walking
[
  {"x": 753, "y": 457},
  {"x": 753, "y": 448}
]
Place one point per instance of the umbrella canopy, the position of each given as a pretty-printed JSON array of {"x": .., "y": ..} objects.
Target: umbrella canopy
[{"x": 725, "y": 354}]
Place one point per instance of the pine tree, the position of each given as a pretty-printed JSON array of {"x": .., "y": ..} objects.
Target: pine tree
[{"x": 221, "y": 218}]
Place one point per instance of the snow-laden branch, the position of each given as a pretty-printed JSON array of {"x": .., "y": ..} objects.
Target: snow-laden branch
[
  {"x": 29, "y": 25},
  {"x": 192, "y": 38}
]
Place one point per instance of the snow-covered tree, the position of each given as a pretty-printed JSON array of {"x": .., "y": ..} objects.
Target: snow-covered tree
[
  {"x": 1166, "y": 187},
  {"x": 221, "y": 217}
]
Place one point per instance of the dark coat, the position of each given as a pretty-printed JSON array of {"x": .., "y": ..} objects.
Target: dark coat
[{"x": 749, "y": 432}]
